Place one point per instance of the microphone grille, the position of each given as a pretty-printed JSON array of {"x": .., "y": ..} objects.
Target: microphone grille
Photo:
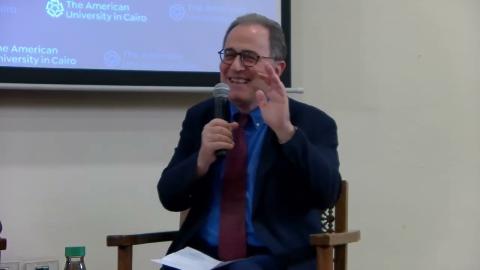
[{"x": 221, "y": 90}]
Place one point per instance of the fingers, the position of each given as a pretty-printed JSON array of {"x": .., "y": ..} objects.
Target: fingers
[
  {"x": 261, "y": 82},
  {"x": 275, "y": 82},
  {"x": 217, "y": 134},
  {"x": 218, "y": 127},
  {"x": 269, "y": 81},
  {"x": 261, "y": 99}
]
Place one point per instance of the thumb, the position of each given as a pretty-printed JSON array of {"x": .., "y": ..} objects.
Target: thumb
[{"x": 233, "y": 125}]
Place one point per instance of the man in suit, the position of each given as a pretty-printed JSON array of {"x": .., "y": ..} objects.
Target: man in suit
[{"x": 292, "y": 167}]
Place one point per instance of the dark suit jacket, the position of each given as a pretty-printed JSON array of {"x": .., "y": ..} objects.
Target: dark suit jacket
[{"x": 294, "y": 180}]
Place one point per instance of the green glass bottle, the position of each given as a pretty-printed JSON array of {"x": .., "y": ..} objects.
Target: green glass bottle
[{"x": 75, "y": 258}]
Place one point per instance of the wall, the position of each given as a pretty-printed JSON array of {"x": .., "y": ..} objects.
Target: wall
[
  {"x": 76, "y": 167},
  {"x": 401, "y": 79}
]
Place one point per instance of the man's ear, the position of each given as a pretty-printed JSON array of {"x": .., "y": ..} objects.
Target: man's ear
[{"x": 279, "y": 67}]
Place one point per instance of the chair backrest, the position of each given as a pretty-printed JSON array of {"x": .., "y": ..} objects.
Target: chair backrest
[{"x": 335, "y": 219}]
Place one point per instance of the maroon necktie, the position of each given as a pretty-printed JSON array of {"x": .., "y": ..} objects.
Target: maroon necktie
[{"x": 232, "y": 242}]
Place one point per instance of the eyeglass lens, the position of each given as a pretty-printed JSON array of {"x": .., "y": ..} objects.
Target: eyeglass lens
[{"x": 248, "y": 58}]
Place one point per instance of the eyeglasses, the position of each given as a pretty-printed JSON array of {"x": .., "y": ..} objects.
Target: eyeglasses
[{"x": 247, "y": 58}]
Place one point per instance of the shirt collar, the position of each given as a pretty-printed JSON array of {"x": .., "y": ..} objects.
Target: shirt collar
[{"x": 255, "y": 115}]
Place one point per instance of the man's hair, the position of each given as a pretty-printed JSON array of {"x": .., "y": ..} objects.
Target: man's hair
[{"x": 278, "y": 46}]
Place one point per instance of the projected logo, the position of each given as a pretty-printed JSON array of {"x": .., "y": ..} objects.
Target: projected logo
[
  {"x": 112, "y": 59},
  {"x": 54, "y": 8},
  {"x": 177, "y": 12}
]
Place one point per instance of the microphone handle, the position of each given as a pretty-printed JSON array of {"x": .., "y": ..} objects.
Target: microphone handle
[
  {"x": 221, "y": 111},
  {"x": 221, "y": 108}
]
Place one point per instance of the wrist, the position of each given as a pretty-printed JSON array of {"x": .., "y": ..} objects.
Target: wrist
[
  {"x": 203, "y": 164},
  {"x": 286, "y": 133}
]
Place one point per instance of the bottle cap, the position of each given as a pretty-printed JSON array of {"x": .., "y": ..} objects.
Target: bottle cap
[{"x": 74, "y": 251}]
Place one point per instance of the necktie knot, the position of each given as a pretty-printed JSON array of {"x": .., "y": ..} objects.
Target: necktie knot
[{"x": 242, "y": 119}]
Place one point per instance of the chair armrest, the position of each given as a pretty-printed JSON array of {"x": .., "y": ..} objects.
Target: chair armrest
[
  {"x": 3, "y": 243},
  {"x": 138, "y": 239},
  {"x": 334, "y": 239}
]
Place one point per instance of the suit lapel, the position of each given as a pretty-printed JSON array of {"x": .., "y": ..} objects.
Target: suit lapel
[{"x": 267, "y": 158}]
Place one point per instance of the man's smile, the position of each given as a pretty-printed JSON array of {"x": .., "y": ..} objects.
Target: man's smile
[{"x": 238, "y": 80}]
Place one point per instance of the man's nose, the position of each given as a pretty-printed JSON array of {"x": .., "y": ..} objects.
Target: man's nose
[{"x": 237, "y": 63}]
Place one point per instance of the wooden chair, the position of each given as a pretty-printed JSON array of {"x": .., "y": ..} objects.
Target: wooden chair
[{"x": 331, "y": 247}]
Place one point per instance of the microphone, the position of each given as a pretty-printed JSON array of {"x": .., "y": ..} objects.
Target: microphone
[{"x": 220, "y": 97}]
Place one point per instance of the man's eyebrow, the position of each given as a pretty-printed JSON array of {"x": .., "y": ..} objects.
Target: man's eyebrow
[
  {"x": 241, "y": 51},
  {"x": 248, "y": 51}
]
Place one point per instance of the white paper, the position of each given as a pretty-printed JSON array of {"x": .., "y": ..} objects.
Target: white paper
[{"x": 190, "y": 259}]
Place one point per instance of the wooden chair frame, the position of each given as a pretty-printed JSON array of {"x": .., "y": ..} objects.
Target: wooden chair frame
[{"x": 331, "y": 247}]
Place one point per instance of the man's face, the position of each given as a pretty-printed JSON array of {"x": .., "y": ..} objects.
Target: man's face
[{"x": 244, "y": 81}]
